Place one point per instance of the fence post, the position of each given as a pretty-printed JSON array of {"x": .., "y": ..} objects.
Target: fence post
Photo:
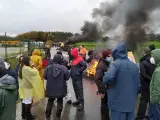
[
  {"x": 29, "y": 45},
  {"x": 6, "y": 55}
]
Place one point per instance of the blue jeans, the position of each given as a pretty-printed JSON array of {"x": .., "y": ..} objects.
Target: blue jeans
[
  {"x": 115, "y": 115},
  {"x": 154, "y": 112}
]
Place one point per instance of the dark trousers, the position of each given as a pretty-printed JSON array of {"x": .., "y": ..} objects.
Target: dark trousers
[
  {"x": 50, "y": 105},
  {"x": 144, "y": 100},
  {"x": 104, "y": 108},
  {"x": 78, "y": 89}
]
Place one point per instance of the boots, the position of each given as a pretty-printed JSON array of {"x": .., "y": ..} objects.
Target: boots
[
  {"x": 23, "y": 114},
  {"x": 80, "y": 107},
  {"x": 69, "y": 102},
  {"x": 28, "y": 112},
  {"x": 76, "y": 103}
]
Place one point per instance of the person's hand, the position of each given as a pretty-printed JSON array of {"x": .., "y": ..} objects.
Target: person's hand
[
  {"x": 69, "y": 64},
  {"x": 102, "y": 95}
]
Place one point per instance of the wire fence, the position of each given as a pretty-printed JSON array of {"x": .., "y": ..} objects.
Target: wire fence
[{"x": 12, "y": 47}]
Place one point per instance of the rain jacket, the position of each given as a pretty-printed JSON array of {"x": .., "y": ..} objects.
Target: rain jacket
[
  {"x": 30, "y": 86},
  {"x": 124, "y": 79},
  {"x": 36, "y": 59},
  {"x": 78, "y": 66},
  {"x": 155, "y": 82},
  {"x": 8, "y": 98},
  {"x": 56, "y": 76}
]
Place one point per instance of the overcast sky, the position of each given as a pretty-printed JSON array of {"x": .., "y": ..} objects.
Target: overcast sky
[{"x": 18, "y": 16}]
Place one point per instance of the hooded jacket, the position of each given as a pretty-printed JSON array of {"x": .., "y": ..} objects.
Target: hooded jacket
[
  {"x": 146, "y": 70},
  {"x": 78, "y": 65},
  {"x": 56, "y": 76},
  {"x": 155, "y": 82},
  {"x": 8, "y": 98},
  {"x": 124, "y": 79},
  {"x": 36, "y": 59}
]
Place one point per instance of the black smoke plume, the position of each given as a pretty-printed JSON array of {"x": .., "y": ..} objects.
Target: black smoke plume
[
  {"x": 133, "y": 15},
  {"x": 89, "y": 32}
]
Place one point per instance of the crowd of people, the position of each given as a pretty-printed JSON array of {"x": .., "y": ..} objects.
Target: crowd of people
[{"x": 118, "y": 80}]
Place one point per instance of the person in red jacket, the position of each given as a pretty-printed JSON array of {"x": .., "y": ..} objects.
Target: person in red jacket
[{"x": 77, "y": 68}]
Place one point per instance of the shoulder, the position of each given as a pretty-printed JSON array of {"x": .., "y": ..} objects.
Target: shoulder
[
  {"x": 49, "y": 66},
  {"x": 63, "y": 67},
  {"x": 101, "y": 64}
]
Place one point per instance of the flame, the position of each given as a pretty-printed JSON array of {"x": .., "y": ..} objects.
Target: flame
[{"x": 92, "y": 68}]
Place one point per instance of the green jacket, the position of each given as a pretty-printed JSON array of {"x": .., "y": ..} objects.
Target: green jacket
[
  {"x": 155, "y": 82},
  {"x": 8, "y": 97}
]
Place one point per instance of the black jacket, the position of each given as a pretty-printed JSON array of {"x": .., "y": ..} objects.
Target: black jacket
[
  {"x": 146, "y": 71},
  {"x": 102, "y": 67},
  {"x": 77, "y": 71},
  {"x": 56, "y": 76}
]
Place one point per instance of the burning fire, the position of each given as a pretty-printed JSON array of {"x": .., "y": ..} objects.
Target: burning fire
[{"x": 92, "y": 68}]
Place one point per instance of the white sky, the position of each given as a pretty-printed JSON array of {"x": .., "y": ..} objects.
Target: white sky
[{"x": 18, "y": 16}]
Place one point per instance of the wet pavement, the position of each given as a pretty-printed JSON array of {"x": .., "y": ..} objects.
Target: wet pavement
[
  {"x": 91, "y": 112},
  {"x": 92, "y": 104}
]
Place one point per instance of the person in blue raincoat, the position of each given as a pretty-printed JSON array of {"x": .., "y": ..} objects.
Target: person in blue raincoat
[{"x": 122, "y": 79}]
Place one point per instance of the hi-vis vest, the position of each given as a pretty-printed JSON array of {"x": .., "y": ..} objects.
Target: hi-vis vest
[{"x": 83, "y": 51}]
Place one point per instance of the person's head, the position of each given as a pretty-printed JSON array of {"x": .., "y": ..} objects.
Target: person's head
[
  {"x": 74, "y": 52},
  {"x": 105, "y": 54},
  {"x": 120, "y": 52},
  {"x": 36, "y": 52},
  {"x": 82, "y": 46},
  {"x": 59, "y": 53},
  {"x": 57, "y": 59},
  {"x": 152, "y": 47},
  {"x": 147, "y": 51},
  {"x": 26, "y": 61},
  {"x": 156, "y": 56}
]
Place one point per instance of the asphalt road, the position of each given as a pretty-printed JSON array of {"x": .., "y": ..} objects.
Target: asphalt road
[{"x": 92, "y": 104}]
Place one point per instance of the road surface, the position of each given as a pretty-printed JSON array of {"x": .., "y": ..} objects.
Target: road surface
[{"x": 92, "y": 104}]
